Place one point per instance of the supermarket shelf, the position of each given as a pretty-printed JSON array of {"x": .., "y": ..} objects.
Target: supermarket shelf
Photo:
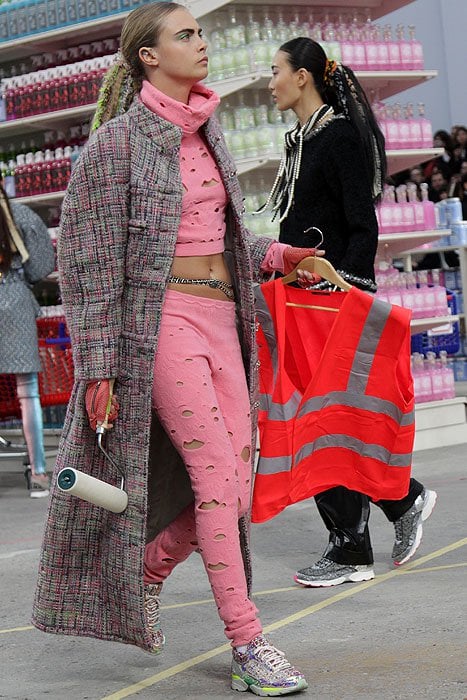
[
  {"x": 406, "y": 158},
  {"x": 399, "y": 243},
  {"x": 436, "y": 249},
  {"x": 41, "y": 200},
  {"x": 49, "y": 120},
  {"x": 111, "y": 24},
  {"x": 420, "y": 325},
  {"x": 62, "y": 37},
  {"x": 377, "y": 8},
  {"x": 388, "y": 83},
  {"x": 440, "y": 423}
]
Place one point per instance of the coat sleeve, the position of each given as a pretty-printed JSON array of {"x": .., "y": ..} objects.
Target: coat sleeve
[{"x": 91, "y": 251}]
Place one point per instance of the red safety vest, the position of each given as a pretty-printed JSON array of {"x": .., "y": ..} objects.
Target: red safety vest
[{"x": 337, "y": 402}]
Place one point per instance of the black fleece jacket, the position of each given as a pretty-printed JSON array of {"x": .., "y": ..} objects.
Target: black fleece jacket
[{"x": 333, "y": 193}]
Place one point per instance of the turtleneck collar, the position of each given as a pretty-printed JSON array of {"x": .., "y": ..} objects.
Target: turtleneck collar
[{"x": 189, "y": 117}]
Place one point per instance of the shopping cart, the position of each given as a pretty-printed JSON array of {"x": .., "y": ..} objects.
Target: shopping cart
[{"x": 55, "y": 383}]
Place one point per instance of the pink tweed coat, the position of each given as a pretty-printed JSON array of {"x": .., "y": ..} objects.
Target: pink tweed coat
[{"x": 118, "y": 231}]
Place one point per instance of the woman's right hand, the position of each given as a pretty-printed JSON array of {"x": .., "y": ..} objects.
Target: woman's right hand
[{"x": 98, "y": 393}]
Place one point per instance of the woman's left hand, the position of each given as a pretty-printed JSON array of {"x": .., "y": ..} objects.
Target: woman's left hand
[{"x": 293, "y": 256}]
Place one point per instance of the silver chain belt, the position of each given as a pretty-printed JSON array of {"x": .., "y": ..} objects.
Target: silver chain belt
[{"x": 214, "y": 284}]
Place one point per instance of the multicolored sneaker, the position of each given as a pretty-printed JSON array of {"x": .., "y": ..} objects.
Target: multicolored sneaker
[
  {"x": 264, "y": 670},
  {"x": 326, "y": 572},
  {"x": 409, "y": 527},
  {"x": 152, "y": 606}
]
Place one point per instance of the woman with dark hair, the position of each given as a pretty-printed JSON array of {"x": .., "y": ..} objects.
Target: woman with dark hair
[
  {"x": 157, "y": 275},
  {"x": 26, "y": 256},
  {"x": 445, "y": 163},
  {"x": 332, "y": 172}
]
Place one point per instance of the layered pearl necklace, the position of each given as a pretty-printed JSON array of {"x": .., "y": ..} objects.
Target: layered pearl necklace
[{"x": 289, "y": 168}]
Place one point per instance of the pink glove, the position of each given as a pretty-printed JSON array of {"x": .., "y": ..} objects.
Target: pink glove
[
  {"x": 96, "y": 400},
  {"x": 293, "y": 256}
]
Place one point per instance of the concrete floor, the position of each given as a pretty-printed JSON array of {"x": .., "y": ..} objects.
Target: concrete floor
[{"x": 399, "y": 636}]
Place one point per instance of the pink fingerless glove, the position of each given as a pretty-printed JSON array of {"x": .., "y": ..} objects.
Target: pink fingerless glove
[
  {"x": 96, "y": 400},
  {"x": 292, "y": 257}
]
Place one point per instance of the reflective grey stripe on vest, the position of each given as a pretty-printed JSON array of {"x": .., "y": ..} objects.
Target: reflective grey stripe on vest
[
  {"x": 367, "y": 403},
  {"x": 280, "y": 411},
  {"x": 366, "y": 348},
  {"x": 364, "y": 449},
  {"x": 273, "y": 465}
]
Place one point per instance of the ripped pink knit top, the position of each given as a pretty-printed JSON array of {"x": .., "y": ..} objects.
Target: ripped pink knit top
[{"x": 202, "y": 226}]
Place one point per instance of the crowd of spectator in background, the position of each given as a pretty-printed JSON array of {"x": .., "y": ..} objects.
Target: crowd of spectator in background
[{"x": 446, "y": 175}]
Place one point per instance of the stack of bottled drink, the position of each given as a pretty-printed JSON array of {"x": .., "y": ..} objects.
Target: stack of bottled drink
[{"x": 433, "y": 377}]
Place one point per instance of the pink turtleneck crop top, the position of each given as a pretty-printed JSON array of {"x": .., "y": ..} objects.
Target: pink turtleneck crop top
[{"x": 202, "y": 225}]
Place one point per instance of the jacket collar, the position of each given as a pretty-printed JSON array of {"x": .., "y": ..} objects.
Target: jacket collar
[{"x": 162, "y": 132}]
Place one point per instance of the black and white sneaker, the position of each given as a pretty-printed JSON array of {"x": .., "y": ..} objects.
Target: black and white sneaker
[
  {"x": 326, "y": 572},
  {"x": 409, "y": 527}
]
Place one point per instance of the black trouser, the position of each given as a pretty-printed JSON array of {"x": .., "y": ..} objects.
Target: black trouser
[{"x": 346, "y": 513}]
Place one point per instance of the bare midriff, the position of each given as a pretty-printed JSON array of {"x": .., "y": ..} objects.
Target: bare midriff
[{"x": 201, "y": 267}]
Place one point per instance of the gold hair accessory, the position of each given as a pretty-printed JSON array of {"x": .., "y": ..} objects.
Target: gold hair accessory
[{"x": 329, "y": 71}]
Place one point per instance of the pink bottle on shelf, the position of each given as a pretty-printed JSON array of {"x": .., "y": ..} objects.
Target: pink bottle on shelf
[
  {"x": 371, "y": 46},
  {"x": 428, "y": 208},
  {"x": 405, "y": 49},
  {"x": 418, "y": 214},
  {"x": 395, "y": 216},
  {"x": 415, "y": 128},
  {"x": 428, "y": 293},
  {"x": 408, "y": 292},
  {"x": 417, "y": 50},
  {"x": 441, "y": 302},
  {"x": 408, "y": 214},
  {"x": 359, "y": 55},
  {"x": 392, "y": 129},
  {"x": 425, "y": 125},
  {"x": 382, "y": 50},
  {"x": 436, "y": 375},
  {"x": 394, "y": 290},
  {"x": 346, "y": 44},
  {"x": 426, "y": 387},
  {"x": 449, "y": 388},
  {"x": 405, "y": 140},
  {"x": 422, "y": 379},
  {"x": 393, "y": 48}
]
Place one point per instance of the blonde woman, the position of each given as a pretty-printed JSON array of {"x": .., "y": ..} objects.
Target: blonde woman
[{"x": 157, "y": 278}]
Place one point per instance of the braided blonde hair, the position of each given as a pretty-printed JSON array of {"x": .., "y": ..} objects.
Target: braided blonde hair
[{"x": 123, "y": 80}]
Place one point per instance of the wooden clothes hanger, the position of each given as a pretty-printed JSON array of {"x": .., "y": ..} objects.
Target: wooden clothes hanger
[{"x": 324, "y": 269}]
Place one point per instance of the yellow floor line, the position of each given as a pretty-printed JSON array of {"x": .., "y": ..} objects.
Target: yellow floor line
[
  {"x": 17, "y": 629},
  {"x": 205, "y": 601},
  {"x": 189, "y": 663}
]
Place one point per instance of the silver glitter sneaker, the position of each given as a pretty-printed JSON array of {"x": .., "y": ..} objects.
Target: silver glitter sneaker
[
  {"x": 409, "y": 528},
  {"x": 264, "y": 670},
  {"x": 152, "y": 606},
  {"x": 329, "y": 573}
]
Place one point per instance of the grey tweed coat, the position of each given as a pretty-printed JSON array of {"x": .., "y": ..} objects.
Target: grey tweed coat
[
  {"x": 119, "y": 227},
  {"x": 18, "y": 306}
]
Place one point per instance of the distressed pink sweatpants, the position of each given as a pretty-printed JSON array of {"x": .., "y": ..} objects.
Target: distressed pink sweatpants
[{"x": 201, "y": 397}]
